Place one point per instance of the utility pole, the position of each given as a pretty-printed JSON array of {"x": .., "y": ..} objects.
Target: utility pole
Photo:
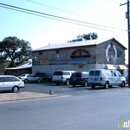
[{"x": 128, "y": 22}]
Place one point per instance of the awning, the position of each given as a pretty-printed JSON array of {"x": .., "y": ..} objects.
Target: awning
[
  {"x": 78, "y": 61},
  {"x": 122, "y": 67},
  {"x": 110, "y": 67}
]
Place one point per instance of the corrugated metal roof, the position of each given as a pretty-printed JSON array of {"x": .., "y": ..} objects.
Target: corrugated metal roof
[
  {"x": 75, "y": 44},
  {"x": 28, "y": 65}
]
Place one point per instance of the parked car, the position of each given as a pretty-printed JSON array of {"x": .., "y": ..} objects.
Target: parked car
[
  {"x": 29, "y": 78},
  {"x": 9, "y": 82},
  {"x": 106, "y": 78},
  {"x": 62, "y": 77},
  {"x": 44, "y": 76},
  {"x": 79, "y": 78}
]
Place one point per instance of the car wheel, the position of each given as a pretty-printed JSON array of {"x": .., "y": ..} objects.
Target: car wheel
[
  {"x": 57, "y": 83},
  {"x": 106, "y": 85},
  {"x": 85, "y": 84},
  {"x": 93, "y": 86},
  {"x": 67, "y": 82},
  {"x": 39, "y": 80},
  {"x": 25, "y": 81},
  {"x": 73, "y": 85},
  {"x": 123, "y": 84},
  {"x": 15, "y": 89}
]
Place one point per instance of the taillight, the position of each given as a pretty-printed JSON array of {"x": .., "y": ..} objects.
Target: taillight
[{"x": 82, "y": 78}]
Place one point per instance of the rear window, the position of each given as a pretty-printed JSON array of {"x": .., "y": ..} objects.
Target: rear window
[
  {"x": 58, "y": 73},
  {"x": 66, "y": 73},
  {"x": 97, "y": 73},
  {"x": 91, "y": 73}
]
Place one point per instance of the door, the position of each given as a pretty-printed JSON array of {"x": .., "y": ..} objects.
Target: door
[{"x": 2, "y": 83}]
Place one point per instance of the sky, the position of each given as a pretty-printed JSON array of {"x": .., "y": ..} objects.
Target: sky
[{"x": 104, "y": 17}]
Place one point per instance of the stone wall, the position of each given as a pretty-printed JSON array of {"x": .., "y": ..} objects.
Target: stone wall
[
  {"x": 101, "y": 53},
  {"x": 51, "y": 68},
  {"x": 63, "y": 55}
]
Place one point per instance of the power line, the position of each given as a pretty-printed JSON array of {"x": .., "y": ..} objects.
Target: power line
[
  {"x": 57, "y": 17},
  {"x": 72, "y": 13}
]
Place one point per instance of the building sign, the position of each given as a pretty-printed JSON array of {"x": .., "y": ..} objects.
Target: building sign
[
  {"x": 44, "y": 62},
  {"x": 80, "y": 53},
  {"x": 111, "y": 53}
]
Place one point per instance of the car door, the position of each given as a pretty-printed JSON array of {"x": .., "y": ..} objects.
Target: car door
[
  {"x": 9, "y": 83},
  {"x": 119, "y": 81},
  {"x": 31, "y": 77},
  {"x": 116, "y": 78},
  {"x": 2, "y": 83}
]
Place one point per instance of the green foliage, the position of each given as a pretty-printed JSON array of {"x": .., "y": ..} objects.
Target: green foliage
[
  {"x": 15, "y": 51},
  {"x": 85, "y": 37}
]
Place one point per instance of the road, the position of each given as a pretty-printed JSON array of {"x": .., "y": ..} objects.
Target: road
[{"x": 81, "y": 109}]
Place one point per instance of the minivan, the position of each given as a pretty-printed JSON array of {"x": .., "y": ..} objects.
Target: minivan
[{"x": 106, "y": 78}]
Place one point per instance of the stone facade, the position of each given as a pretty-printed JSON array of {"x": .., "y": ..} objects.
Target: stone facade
[{"x": 96, "y": 55}]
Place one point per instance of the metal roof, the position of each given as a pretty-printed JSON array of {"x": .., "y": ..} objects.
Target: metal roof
[
  {"x": 75, "y": 44},
  {"x": 27, "y": 65}
]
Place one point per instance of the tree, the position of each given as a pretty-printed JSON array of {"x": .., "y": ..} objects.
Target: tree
[
  {"x": 15, "y": 51},
  {"x": 85, "y": 37}
]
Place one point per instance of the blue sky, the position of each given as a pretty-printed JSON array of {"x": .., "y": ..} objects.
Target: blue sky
[{"x": 40, "y": 31}]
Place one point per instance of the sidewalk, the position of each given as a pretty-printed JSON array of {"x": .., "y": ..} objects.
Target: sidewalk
[{"x": 23, "y": 96}]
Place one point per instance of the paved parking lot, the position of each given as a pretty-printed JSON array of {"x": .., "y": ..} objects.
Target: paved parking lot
[{"x": 68, "y": 90}]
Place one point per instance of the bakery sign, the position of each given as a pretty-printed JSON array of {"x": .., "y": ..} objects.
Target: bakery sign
[
  {"x": 44, "y": 62},
  {"x": 80, "y": 53}
]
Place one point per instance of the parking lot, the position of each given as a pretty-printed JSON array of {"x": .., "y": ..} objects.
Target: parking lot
[{"x": 62, "y": 89}]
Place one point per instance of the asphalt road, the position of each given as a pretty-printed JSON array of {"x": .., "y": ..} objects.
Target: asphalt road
[
  {"x": 86, "y": 112},
  {"x": 81, "y": 109}
]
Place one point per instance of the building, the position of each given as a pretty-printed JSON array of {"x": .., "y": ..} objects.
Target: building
[
  {"x": 80, "y": 56},
  {"x": 22, "y": 69}
]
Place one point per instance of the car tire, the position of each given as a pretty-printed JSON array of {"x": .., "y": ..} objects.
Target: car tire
[
  {"x": 25, "y": 81},
  {"x": 93, "y": 86},
  {"x": 68, "y": 82},
  {"x": 39, "y": 80},
  {"x": 85, "y": 84},
  {"x": 57, "y": 83},
  {"x": 106, "y": 85},
  {"x": 123, "y": 84},
  {"x": 73, "y": 85},
  {"x": 15, "y": 89}
]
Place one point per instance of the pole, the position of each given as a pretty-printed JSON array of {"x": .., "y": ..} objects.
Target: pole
[{"x": 128, "y": 24}]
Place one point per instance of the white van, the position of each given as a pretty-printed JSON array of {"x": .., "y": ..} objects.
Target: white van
[{"x": 106, "y": 78}]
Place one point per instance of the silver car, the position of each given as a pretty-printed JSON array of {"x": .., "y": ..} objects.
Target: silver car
[
  {"x": 9, "y": 82},
  {"x": 29, "y": 78}
]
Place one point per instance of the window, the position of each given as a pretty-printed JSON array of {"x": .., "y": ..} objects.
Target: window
[
  {"x": 2, "y": 79},
  {"x": 57, "y": 73},
  {"x": 91, "y": 73},
  {"x": 10, "y": 79},
  {"x": 66, "y": 73},
  {"x": 57, "y": 51},
  {"x": 40, "y": 52},
  {"x": 97, "y": 73}
]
